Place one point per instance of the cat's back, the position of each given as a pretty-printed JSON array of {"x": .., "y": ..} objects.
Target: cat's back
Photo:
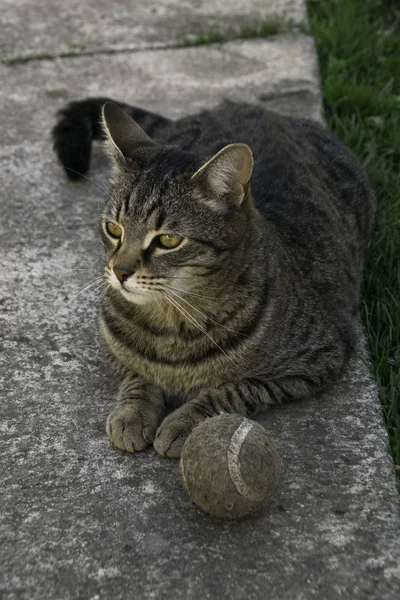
[{"x": 304, "y": 180}]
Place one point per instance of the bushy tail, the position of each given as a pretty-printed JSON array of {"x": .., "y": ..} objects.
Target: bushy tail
[{"x": 79, "y": 123}]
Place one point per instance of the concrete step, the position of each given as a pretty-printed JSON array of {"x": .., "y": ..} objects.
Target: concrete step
[
  {"x": 54, "y": 28},
  {"x": 280, "y": 72}
]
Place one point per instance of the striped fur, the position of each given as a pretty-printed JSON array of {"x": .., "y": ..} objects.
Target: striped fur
[{"x": 261, "y": 304}]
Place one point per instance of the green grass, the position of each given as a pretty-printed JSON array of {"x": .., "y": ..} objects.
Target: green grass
[{"x": 358, "y": 43}]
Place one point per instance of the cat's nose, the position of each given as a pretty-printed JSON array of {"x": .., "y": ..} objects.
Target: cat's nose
[{"x": 122, "y": 273}]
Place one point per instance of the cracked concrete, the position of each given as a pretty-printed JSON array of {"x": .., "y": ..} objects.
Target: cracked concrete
[
  {"x": 80, "y": 519},
  {"x": 280, "y": 72},
  {"x": 53, "y": 28}
]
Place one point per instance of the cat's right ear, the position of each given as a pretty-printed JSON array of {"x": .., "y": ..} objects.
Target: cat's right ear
[
  {"x": 124, "y": 135},
  {"x": 225, "y": 178}
]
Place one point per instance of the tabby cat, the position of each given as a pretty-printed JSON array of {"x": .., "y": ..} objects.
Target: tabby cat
[{"x": 234, "y": 281}]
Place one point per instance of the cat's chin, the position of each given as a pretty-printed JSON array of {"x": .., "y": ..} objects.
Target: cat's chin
[{"x": 137, "y": 297}]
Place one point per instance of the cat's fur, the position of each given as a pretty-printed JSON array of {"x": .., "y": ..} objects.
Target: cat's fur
[{"x": 271, "y": 273}]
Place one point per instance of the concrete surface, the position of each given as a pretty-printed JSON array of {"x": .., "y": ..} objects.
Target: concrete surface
[
  {"x": 281, "y": 72},
  {"x": 81, "y": 520},
  {"x": 52, "y": 28}
]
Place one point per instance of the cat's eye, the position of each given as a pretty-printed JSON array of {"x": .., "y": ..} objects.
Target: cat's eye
[
  {"x": 169, "y": 241},
  {"x": 113, "y": 230}
]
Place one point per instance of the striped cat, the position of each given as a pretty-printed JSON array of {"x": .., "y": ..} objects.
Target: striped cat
[{"x": 234, "y": 242}]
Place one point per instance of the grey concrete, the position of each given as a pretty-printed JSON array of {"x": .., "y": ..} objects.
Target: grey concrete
[
  {"x": 81, "y": 520},
  {"x": 280, "y": 72},
  {"x": 32, "y": 29}
]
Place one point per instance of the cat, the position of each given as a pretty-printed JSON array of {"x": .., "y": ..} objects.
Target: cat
[{"x": 235, "y": 243}]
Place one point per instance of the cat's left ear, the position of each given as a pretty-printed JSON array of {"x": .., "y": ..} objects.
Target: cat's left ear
[
  {"x": 225, "y": 177},
  {"x": 123, "y": 133}
]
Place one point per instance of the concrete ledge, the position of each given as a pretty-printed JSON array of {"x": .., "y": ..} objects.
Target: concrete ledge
[
  {"x": 74, "y": 27},
  {"x": 280, "y": 72},
  {"x": 82, "y": 520}
]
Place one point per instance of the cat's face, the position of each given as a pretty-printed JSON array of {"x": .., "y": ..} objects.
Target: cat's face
[
  {"x": 171, "y": 228},
  {"x": 161, "y": 238}
]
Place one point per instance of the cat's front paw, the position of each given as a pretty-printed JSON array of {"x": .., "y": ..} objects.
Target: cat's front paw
[
  {"x": 132, "y": 427},
  {"x": 174, "y": 431}
]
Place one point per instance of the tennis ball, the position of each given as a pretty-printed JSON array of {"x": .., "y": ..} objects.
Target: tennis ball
[{"x": 229, "y": 466}]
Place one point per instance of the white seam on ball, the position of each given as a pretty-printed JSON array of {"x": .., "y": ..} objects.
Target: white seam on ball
[{"x": 237, "y": 440}]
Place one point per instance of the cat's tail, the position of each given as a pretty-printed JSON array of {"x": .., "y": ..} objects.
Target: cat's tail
[{"x": 79, "y": 123}]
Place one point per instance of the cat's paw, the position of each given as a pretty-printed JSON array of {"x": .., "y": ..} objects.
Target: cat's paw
[
  {"x": 174, "y": 430},
  {"x": 132, "y": 427}
]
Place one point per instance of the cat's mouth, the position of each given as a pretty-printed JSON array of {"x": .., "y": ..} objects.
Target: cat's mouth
[
  {"x": 136, "y": 296},
  {"x": 130, "y": 289}
]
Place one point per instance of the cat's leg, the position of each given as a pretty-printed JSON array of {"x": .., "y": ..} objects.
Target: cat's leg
[
  {"x": 79, "y": 123},
  {"x": 140, "y": 409},
  {"x": 247, "y": 397}
]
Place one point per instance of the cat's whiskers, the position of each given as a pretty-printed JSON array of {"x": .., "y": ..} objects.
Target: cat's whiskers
[
  {"x": 211, "y": 288},
  {"x": 175, "y": 277},
  {"x": 194, "y": 322},
  {"x": 188, "y": 316},
  {"x": 92, "y": 293},
  {"x": 187, "y": 292},
  {"x": 84, "y": 269},
  {"x": 206, "y": 316},
  {"x": 88, "y": 179},
  {"x": 87, "y": 286},
  {"x": 103, "y": 293}
]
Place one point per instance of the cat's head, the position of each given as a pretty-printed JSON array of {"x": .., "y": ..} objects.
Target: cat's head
[{"x": 175, "y": 222}]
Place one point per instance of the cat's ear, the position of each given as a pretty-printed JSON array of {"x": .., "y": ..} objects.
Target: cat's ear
[
  {"x": 225, "y": 177},
  {"x": 123, "y": 133}
]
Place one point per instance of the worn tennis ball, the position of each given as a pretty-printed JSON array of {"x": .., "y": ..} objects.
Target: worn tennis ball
[{"x": 229, "y": 466}]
